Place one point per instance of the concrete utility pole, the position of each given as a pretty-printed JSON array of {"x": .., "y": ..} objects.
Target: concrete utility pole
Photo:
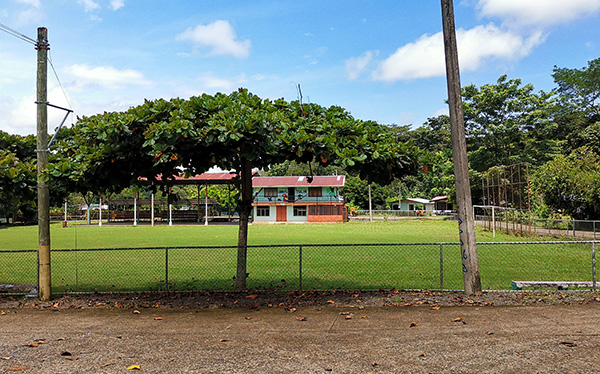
[
  {"x": 466, "y": 222},
  {"x": 44, "y": 273}
]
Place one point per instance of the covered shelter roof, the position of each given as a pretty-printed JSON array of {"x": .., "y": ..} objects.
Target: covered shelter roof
[
  {"x": 204, "y": 178},
  {"x": 128, "y": 202},
  {"x": 417, "y": 200},
  {"x": 299, "y": 181}
]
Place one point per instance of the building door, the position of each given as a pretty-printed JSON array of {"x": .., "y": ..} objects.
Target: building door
[
  {"x": 291, "y": 194},
  {"x": 281, "y": 214}
]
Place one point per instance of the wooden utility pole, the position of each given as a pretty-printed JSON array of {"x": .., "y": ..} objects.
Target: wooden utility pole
[
  {"x": 44, "y": 273},
  {"x": 466, "y": 222}
]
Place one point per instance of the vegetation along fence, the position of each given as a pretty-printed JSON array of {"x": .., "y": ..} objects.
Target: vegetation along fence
[
  {"x": 524, "y": 225},
  {"x": 300, "y": 267}
]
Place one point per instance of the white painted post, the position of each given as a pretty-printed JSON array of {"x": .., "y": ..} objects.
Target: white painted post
[
  {"x": 170, "y": 214},
  {"x": 493, "y": 222},
  {"x": 135, "y": 209},
  {"x": 100, "y": 212},
  {"x": 66, "y": 205},
  {"x": 370, "y": 205},
  {"x": 152, "y": 210},
  {"x": 206, "y": 205}
]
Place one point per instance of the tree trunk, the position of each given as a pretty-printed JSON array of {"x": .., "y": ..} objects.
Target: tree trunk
[{"x": 245, "y": 209}]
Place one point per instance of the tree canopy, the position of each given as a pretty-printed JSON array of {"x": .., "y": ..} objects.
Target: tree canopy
[{"x": 239, "y": 131}]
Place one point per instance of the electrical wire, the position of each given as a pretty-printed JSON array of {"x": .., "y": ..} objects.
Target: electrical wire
[
  {"x": 58, "y": 80},
  {"x": 17, "y": 34}
]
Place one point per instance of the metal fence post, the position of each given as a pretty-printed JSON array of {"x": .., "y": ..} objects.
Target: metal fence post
[
  {"x": 300, "y": 268},
  {"x": 441, "y": 267},
  {"x": 166, "y": 269},
  {"x": 593, "y": 266}
]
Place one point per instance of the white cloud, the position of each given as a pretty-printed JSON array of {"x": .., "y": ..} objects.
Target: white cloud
[
  {"x": 117, "y": 4},
  {"x": 538, "y": 12},
  {"x": 356, "y": 65},
  {"x": 88, "y": 5},
  {"x": 33, "y": 3},
  {"x": 211, "y": 82},
  {"x": 425, "y": 57},
  {"x": 20, "y": 114},
  {"x": 84, "y": 76},
  {"x": 219, "y": 36}
]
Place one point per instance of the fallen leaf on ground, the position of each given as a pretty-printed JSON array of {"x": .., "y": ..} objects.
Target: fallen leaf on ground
[
  {"x": 374, "y": 364},
  {"x": 2, "y": 313},
  {"x": 32, "y": 345},
  {"x": 248, "y": 318},
  {"x": 569, "y": 344},
  {"x": 301, "y": 318},
  {"x": 107, "y": 364},
  {"x": 5, "y": 358},
  {"x": 136, "y": 312},
  {"x": 41, "y": 342},
  {"x": 436, "y": 308},
  {"x": 458, "y": 319},
  {"x": 251, "y": 296},
  {"x": 345, "y": 313},
  {"x": 330, "y": 302},
  {"x": 422, "y": 355},
  {"x": 18, "y": 368},
  {"x": 224, "y": 340},
  {"x": 292, "y": 310},
  {"x": 158, "y": 318},
  {"x": 72, "y": 358},
  {"x": 363, "y": 316},
  {"x": 134, "y": 367},
  {"x": 489, "y": 333},
  {"x": 348, "y": 317},
  {"x": 413, "y": 324}
]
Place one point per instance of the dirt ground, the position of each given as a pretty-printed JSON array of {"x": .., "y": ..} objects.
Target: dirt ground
[{"x": 313, "y": 332}]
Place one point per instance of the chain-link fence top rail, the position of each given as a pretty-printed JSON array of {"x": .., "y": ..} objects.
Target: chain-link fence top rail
[{"x": 295, "y": 267}]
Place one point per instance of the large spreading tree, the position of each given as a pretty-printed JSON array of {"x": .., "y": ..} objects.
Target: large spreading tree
[{"x": 239, "y": 132}]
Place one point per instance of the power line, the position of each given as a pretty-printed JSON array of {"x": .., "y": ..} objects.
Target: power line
[
  {"x": 58, "y": 79},
  {"x": 17, "y": 34}
]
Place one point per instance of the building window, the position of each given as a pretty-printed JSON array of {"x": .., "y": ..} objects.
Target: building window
[
  {"x": 315, "y": 191},
  {"x": 300, "y": 210},
  {"x": 326, "y": 210},
  {"x": 270, "y": 192},
  {"x": 263, "y": 211}
]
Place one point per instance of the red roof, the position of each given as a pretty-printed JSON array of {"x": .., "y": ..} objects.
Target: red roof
[
  {"x": 301, "y": 181},
  {"x": 214, "y": 178}
]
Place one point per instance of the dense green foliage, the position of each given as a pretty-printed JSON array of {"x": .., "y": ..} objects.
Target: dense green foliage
[
  {"x": 571, "y": 183},
  {"x": 507, "y": 122}
]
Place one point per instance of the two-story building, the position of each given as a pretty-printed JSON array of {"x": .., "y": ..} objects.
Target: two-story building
[{"x": 299, "y": 199}]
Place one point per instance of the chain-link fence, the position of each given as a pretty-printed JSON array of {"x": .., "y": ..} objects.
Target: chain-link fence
[
  {"x": 300, "y": 267},
  {"x": 513, "y": 222}
]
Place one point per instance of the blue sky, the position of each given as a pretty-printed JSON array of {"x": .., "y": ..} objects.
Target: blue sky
[{"x": 380, "y": 59}]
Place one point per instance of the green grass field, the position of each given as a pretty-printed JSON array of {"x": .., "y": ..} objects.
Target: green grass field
[
  {"x": 274, "y": 261},
  {"x": 125, "y": 236}
]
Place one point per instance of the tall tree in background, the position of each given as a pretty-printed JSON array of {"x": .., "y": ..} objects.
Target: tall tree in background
[
  {"x": 579, "y": 111},
  {"x": 508, "y": 123}
]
